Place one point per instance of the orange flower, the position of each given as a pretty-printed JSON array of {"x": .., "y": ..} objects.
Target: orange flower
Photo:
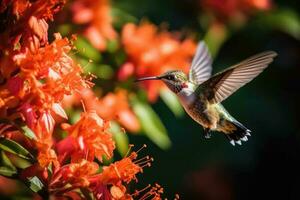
[
  {"x": 28, "y": 21},
  {"x": 46, "y": 156},
  {"x": 234, "y": 9},
  {"x": 7, "y": 101},
  {"x": 115, "y": 106},
  {"x": 95, "y": 14},
  {"x": 118, "y": 173},
  {"x": 75, "y": 174},
  {"x": 123, "y": 170},
  {"x": 44, "y": 141},
  {"x": 112, "y": 106},
  {"x": 92, "y": 139},
  {"x": 153, "y": 53}
]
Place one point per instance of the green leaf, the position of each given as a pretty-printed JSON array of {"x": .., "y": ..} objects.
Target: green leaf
[
  {"x": 14, "y": 148},
  {"x": 172, "y": 102},
  {"x": 7, "y": 171},
  {"x": 112, "y": 46},
  {"x": 28, "y": 132},
  {"x": 64, "y": 29},
  {"x": 49, "y": 169},
  {"x": 85, "y": 49},
  {"x": 121, "y": 17},
  {"x": 284, "y": 19},
  {"x": 5, "y": 161},
  {"x": 151, "y": 124},
  {"x": 120, "y": 138},
  {"x": 7, "y": 168},
  {"x": 100, "y": 70},
  {"x": 103, "y": 71},
  {"x": 20, "y": 162},
  {"x": 35, "y": 184},
  {"x": 74, "y": 116},
  {"x": 215, "y": 37}
]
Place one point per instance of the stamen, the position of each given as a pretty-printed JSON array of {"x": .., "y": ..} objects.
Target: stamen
[
  {"x": 153, "y": 193},
  {"x": 137, "y": 192},
  {"x": 117, "y": 171},
  {"x": 87, "y": 154},
  {"x": 144, "y": 161},
  {"x": 144, "y": 146},
  {"x": 139, "y": 160},
  {"x": 74, "y": 51},
  {"x": 129, "y": 149},
  {"x": 83, "y": 106},
  {"x": 149, "y": 192},
  {"x": 146, "y": 165}
]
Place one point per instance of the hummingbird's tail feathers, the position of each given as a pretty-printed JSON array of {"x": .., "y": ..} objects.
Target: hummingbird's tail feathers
[{"x": 239, "y": 135}]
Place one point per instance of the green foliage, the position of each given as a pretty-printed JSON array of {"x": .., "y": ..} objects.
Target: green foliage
[
  {"x": 6, "y": 167},
  {"x": 151, "y": 124},
  {"x": 14, "y": 148},
  {"x": 120, "y": 138},
  {"x": 35, "y": 184},
  {"x": 28, "y": 132},
  {"x": 86, "y": 50},
  {"x": 285, "y": 20},
  {"x": 172, "y": 102},
  {"x": 122, "y": 17}
]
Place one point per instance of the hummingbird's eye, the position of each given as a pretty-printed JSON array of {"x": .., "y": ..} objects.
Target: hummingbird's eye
[{"x": 172, "y": 78}]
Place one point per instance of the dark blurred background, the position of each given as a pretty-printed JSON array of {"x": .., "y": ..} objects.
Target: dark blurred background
[{"x": 265, "y": 167}]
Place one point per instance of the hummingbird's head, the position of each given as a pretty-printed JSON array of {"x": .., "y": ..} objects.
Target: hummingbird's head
[{"x": 175, "y": 80}]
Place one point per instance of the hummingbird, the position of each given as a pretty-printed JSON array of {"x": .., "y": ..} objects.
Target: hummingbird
[{"x": 201, "y": 94}]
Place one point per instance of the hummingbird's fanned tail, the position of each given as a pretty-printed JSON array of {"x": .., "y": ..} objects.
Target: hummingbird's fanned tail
[{"x": 239, "y": 134}]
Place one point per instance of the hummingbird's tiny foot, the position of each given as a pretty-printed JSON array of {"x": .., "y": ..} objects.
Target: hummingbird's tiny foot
[
  {"x": 239, "y": 142},
  {"x": 232, "y": 142},
  {"x": 207, "y": 135}
]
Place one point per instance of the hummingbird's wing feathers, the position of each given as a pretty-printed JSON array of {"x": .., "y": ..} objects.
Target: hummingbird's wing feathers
[
  {"x": 201, "y": 65},
  {"x": 225, "y": 83}
]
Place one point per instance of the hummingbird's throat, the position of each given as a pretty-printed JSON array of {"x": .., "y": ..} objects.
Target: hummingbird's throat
[
  {"x": 176, "y": 88},
  {"x": 184, "y": 85}
]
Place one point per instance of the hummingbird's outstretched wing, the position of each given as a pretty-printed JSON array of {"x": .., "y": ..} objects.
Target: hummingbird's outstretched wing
[
  {"x": 225, "y": 83},
  {"x": 200, "y": 70}
]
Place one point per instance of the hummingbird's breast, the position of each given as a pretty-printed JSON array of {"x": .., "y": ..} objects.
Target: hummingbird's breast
[
  {"x": 187, "y": 96},
  {"x": 197, "y": 106}
]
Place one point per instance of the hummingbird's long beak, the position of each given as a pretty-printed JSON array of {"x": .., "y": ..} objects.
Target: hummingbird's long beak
[{"x": 147, "y": 78}]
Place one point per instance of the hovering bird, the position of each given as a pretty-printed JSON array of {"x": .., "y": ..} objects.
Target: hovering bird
[{"x": 201, "y": 94}]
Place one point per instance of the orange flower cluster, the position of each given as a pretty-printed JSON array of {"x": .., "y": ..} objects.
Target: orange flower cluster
[
  {"x": 35, "y": 76},
  {"x": 95, "y": 15},
  {"x": 87, "y": 139},
  {"x": 112, "y": 106},
  {"x": 229, "y": 9},
  {"x": 151, "y": 53}
]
